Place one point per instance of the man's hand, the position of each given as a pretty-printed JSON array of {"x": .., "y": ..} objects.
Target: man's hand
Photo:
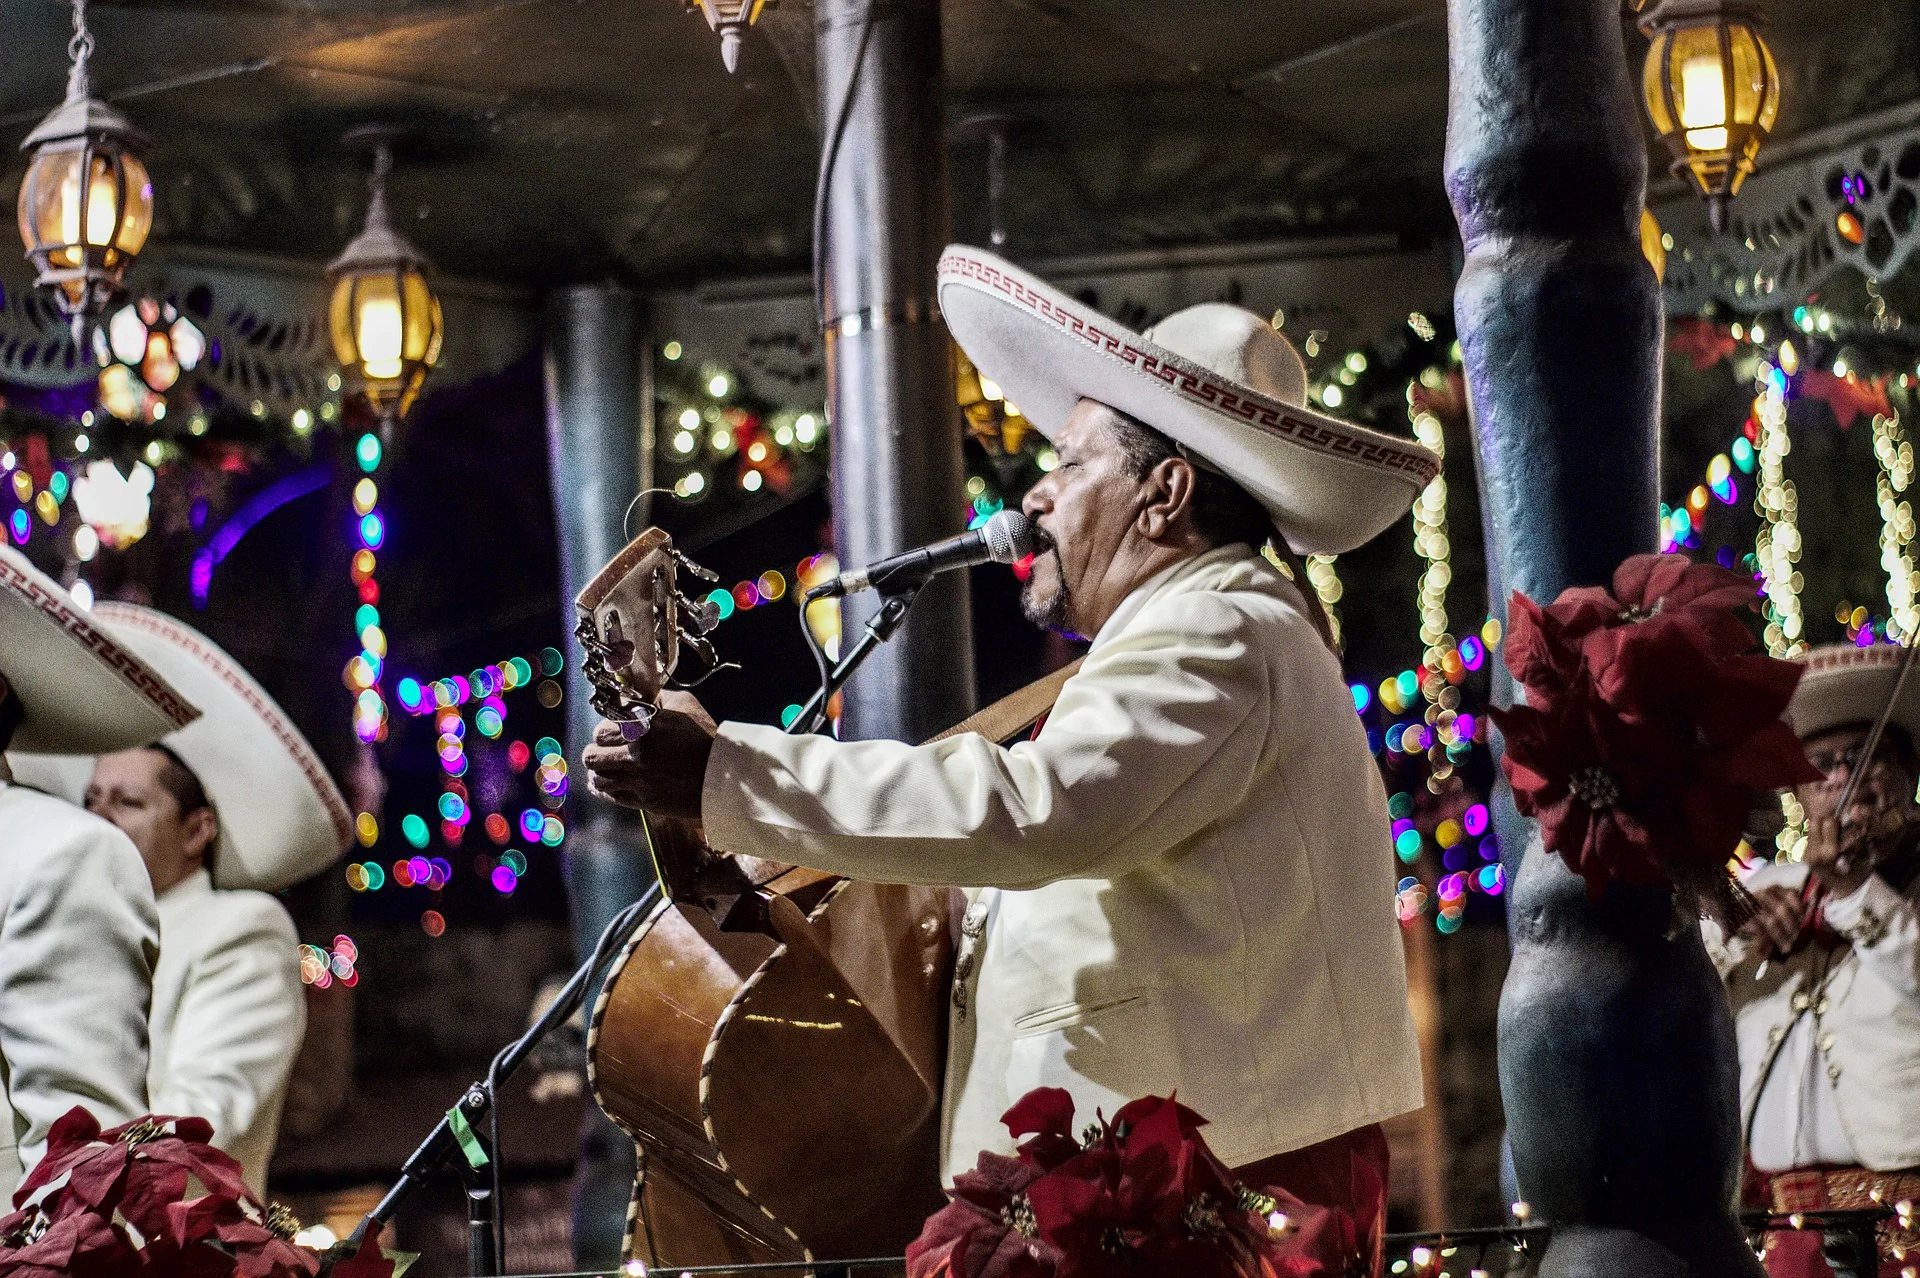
[
  {"x": 663, "y": 771},
  {"x": 1843, "y": 864},
  {"x": 1776, "y": 918}
]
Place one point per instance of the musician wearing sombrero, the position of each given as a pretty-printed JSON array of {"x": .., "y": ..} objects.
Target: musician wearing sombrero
[
  {"x": 224, "y": 812},
  {"x": 78, "y": 932},
  {"x": 1186, "y": 873},
  {"x": 1825, "y": 982}
]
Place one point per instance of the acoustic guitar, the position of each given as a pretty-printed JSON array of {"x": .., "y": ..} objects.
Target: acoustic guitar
[{"x": 772, "y": 1038}]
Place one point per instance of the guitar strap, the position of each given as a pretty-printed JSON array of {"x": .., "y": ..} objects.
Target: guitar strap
[{"x": 1015, "y": 713}]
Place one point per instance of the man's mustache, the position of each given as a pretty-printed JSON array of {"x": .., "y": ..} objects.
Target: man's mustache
[{"x": 1043, "y": 542}]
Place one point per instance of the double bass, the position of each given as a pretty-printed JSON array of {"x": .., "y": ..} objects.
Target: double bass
[{"x": 771, "y": 1037}]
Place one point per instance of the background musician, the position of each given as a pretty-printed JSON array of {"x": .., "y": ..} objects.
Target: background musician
[
  {"x": 223, "y": 812},
  {"x": 1825, "y": 982},
  {"x": 78, "y": 935},
  {"x": 1180, "y": 882}
]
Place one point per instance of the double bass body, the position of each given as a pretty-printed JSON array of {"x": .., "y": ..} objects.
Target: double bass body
[{"x": 777, "y": 1056}]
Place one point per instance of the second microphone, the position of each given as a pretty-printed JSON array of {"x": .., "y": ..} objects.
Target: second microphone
[{"x": 1003, "y": 539}]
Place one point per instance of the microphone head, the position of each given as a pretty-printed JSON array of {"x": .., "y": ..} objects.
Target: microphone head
[{"x": 1009, "y": 537}]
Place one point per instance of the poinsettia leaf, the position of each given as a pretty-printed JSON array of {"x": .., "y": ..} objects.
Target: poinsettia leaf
[
  {"x": 368, "y": 1262},
  {"x": 1044, "y": 1109}
]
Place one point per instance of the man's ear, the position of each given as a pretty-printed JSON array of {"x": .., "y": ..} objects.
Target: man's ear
[
  {"x": 203, "y": 827},
  {"x": 1169, "y": 498}
]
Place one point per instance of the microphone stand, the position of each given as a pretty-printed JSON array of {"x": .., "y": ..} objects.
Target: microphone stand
[
  {"x": 461, "y": 1129},
  {"x": 880, "y": 628}
]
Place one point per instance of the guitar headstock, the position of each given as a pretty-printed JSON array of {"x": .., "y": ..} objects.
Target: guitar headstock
[{"x": 633, "y": 622}]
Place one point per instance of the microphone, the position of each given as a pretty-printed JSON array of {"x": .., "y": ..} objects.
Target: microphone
[{"x": 1004, "y": 538}]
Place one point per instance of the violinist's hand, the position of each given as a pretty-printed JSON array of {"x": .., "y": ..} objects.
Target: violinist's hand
[
  {"x": 1843, "y": 863},
  {"x": 1776, "y": 919},
  {"x": 663, "y": 771}
]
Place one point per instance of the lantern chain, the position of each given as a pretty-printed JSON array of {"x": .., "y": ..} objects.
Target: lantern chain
[{"x": 79, "y": 51}]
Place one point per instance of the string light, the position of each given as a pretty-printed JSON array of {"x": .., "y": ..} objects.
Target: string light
[
  {"x": 1326, "y": 584},
  {"x": 1777, "y": 544},
  {"x": 1895, "y": 455}
]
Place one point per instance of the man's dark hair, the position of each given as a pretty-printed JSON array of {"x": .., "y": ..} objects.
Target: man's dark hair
[
  {"x": 177, "y": 779},
  {"x": 12, "y": 714},
  {"x": 1223, "y": 511}
]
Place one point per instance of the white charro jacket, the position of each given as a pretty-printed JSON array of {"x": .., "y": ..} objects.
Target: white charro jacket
[
  {"x": 228, "y": 1015},
  {"x": 1863, "y": 1009},
  {"x": 1189, "y": 876},
  {"x": 78, "y": 940}
]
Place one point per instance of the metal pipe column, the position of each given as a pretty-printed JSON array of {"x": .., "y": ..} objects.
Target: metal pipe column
[
  {"x": 897, "y": 474},
  {"x": 600, "y": 454},
  {"x": 1617, "y": 1059}
]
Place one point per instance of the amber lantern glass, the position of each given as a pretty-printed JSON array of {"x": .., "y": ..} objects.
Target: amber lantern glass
[
  {"x": 1712, "y": 91},
  {"x": 383, "y": 315},
  {"x": 86, "y": 202}
]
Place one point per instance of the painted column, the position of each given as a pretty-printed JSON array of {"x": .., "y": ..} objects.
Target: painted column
[
  {"x": 1617, "y": 1060},
  {"x": 600, "y": 454},
  {"x": 897, "y": 473}
]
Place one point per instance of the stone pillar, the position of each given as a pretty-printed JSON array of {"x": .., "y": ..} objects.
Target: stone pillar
[
  {"x": 897, "y": 475},
  {"x": 600, "y": 454},
  {"x": 1617, "y": 1061}
]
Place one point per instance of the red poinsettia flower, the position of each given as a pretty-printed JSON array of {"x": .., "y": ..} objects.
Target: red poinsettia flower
[
  {"x": 114, "y": 1202},
  {"x": 1649, "y": 726},
  {"x": 1601, "y": 788}
]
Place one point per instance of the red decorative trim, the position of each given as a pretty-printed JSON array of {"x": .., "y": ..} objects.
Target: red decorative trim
[
  {"x": 1193, "y": 382},
  {"x": 60, "y": 609},
  {"x": 1878, "y": 657},
  {"x": 200, "y": 649}
]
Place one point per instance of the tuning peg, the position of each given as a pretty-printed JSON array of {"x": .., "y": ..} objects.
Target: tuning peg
[{"x": 700, "y": 616}]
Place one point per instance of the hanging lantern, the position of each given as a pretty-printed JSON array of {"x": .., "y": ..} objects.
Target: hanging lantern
[
  {"x": 1712, "y": 92},
  {"x": 730, "y": 18},
  {"x": 998, "y": 425},
  {"x": 86, "y": 203},
  {"x": 384, "y": 317}
]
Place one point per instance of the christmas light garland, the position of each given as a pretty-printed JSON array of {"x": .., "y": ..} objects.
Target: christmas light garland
[
  {"x": 1895, "y": 456},
  {"x": 1777, "y": 544}
]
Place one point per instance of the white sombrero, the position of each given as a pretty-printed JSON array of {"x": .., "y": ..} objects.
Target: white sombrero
[
  {"x": 83, "y": 692},
  {"x": 1844, "y": 684},
  {"x": 282, "y": 818},
  {"x": 1214, "y": 378}
]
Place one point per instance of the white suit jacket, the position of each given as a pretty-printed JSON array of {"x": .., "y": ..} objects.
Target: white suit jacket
[
  {"x": 1864, "y": 1017},
  {"x": 228, "y": 1015},
  {"x": 1189, "y": 874},
  {"x": 78, "y": 939}
]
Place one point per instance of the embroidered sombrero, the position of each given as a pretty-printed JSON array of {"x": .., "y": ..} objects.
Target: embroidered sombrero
[
  {"x": 83, "y": 691},
  {"x": 1844, "y": 684},
  {"x": 1214, "y": 378},
  {"x": 282, "y": 819}
]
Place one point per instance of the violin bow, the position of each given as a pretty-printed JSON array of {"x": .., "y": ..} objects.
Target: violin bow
[{"x": 1873, "y": 737}]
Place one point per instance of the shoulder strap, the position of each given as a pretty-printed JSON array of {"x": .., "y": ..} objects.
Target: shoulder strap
[{"x": 1015, "y": 713}]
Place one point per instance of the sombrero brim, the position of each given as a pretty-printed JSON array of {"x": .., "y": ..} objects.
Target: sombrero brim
[
  {"x": 1330, "y": 485},
  {"x": 1845, "y": 685},
  {"x": 282, "y": 819},
  {"x": 84, "y": 692}
]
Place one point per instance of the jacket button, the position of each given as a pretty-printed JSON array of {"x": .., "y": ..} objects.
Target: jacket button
[
  {"x": 1800, "y": 1002},
  {"x": 1825, "y": 1042},
  {"x": 1833, "y": 1072},
  {"x": 1820, "y": 1008},
  {"x": 1775, "y": 1034}
]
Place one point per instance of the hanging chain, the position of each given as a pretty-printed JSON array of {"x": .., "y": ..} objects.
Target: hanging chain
[
  {"x": 382, "y": 163},
  {"x": 80, "y": 48}
]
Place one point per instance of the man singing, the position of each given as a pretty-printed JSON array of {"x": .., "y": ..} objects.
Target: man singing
[
  {"x": 1825, "y": 982},
  {"x": 78, "y": 936},
  {"x": 1186, "y": 880},
  {"x": 223, "y": 812}
]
